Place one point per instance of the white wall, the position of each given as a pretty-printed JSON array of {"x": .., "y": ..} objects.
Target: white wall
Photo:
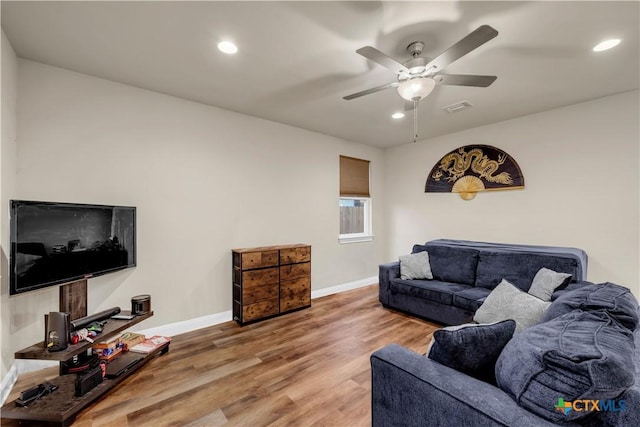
[
  {"x": 582, "y": 187},
  {"x": 204, "y": 181},
  {"x": 8, "y": 94}
]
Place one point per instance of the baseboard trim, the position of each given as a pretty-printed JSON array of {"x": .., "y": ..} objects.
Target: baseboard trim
[
  {"x": 217, "y": 318},
  {"x": 7, "y": 383},
  {"x": 22, "y": 366},
  {"x": 344, "y": 287},
  {"x": 185, "y": 326}
]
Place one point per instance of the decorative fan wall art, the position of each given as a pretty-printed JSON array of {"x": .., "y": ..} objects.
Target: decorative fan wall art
[{"x": 473, "y": 168}]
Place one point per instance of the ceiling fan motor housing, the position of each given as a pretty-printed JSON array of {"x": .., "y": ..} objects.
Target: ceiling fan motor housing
[
  {"x": 415, "y": 48},
  {"x": 415, "y": 65}
]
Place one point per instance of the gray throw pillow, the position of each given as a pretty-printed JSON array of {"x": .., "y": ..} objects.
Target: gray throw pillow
[
  {"x": 545, "y": 282},
  {"x": 471, "y": 348},
  {"x": 508, "y": 302},
  {"x": 415, "y": 266}
]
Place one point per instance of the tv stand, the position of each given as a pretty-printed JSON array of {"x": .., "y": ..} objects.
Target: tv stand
[
  {"x": 61, "y": 407},
  {"x": 73, "y": 299}
]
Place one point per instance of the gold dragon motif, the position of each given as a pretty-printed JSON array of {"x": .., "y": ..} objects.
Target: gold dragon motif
[{"x": 456, "y": 164}]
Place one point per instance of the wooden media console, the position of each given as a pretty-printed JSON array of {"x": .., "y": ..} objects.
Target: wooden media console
[{"x": 60, "y": 407}]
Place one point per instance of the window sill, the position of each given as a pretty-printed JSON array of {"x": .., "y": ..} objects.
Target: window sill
[{"x": 355, "y": 239}]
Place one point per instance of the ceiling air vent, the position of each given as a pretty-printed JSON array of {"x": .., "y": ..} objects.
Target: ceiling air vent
[{"x": 458, "y": 106}]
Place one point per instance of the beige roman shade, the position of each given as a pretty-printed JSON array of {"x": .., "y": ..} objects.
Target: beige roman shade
[{"x": 354, "y": 177}]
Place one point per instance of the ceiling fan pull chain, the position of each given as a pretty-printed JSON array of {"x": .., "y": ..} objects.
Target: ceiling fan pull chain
[{"x": 415, "y": 120}]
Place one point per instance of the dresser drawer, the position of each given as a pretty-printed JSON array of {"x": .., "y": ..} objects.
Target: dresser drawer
[
  {"x": 295, "y": 255},
  {"x": 260, "y": 310},
  {"x": 266, "y": 276},
  {"x": 251, "y": 294},
  {"x": 294, "y": 271},
  {"x": 295, "y": 294},
  {"x": 259, "y": 259}
]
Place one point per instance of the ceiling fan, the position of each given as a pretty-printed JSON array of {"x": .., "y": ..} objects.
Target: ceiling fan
[{"x": 417, "y": 77}]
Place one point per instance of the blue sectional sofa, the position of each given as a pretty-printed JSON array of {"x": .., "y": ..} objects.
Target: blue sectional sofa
[
  {"x": 579, "y": 367},
  {"x": 465, "y": 272}
]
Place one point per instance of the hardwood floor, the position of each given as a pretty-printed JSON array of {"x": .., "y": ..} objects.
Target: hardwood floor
[{"x": 308, "y": 368}]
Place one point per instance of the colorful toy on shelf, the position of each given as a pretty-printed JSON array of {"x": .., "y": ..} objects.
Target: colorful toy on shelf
[{"x": 83, "y": 335}]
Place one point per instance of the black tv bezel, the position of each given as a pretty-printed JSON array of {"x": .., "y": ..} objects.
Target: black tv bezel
[{"x": 13, "y": 231}]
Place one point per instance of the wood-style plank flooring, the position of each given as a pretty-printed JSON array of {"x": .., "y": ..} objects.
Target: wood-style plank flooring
[{"x": 307, "y": 368}]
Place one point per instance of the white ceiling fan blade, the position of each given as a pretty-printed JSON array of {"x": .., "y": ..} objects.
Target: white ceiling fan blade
[
  {"x": 380, "y": 58},
  {"x": 464, "y": 80},
  {"x": 473, "y": 40},
  {"x": 372, "y": 90}
]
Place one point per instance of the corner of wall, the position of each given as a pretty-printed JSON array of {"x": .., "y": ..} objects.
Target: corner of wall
[{"x": 8, "y": 174}]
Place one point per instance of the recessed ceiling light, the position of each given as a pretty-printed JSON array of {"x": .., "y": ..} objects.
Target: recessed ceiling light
[
  {"x": 397, "y": 115},
  {"x": 227, "y": 47},
  {"x": 607, "y": 44}
]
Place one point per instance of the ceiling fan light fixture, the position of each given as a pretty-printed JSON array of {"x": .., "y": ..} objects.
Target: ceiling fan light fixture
[{"x": 416, "y": 88}]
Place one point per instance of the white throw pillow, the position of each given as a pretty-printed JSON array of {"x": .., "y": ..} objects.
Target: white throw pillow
[
  {"x": 415, "y": 266},
  {"x": 545, "y": 282},
  {"x": 508, "y": 302}
]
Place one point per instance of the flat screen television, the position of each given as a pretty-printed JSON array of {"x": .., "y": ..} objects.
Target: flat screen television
[{"x": 56, "y": 243}]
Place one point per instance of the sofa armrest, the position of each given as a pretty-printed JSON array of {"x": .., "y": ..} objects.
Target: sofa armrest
[
  {"x": 412, "y": 390},
  {"x": 386, "y": 273}
]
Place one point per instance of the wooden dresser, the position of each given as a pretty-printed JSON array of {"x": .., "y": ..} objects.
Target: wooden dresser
[{"x": 270, "y": 280}]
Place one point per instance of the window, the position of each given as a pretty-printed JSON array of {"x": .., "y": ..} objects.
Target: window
[{"x": 355, "y": 201}]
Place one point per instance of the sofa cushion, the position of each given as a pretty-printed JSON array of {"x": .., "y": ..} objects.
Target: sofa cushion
[
  {"x": 471, "y": 348},
  {"x": 415, "y": 266},
  {"x": 615, "y": 299},
  {"x": 581, "y": 355},
  {"x": 546, "y": 281},
  {"x": 570, "y": 287},
  {"x": 455, "y": 265},
  {"x": 508, "y": 302},
  {"x": 470, "y": 299},
  {"x": 432, "y": 290},
  {"x": 518, "y": 268}
]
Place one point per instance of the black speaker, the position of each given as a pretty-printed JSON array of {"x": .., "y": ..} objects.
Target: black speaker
[
  {"x": 57, "y": 331},
  {"x": 86, "y": 382},
  {"x": 141, "y": 304}
]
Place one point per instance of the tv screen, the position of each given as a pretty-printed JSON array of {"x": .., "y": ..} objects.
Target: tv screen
[{"x": 56, "y": 243}]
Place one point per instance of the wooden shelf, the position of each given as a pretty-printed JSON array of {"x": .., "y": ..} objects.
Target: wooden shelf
[
  {"x": 62, "y": 406},
  {"x": 112, "y": 327}
]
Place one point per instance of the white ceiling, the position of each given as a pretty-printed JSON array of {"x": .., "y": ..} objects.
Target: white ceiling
[{"x": 297, "y": 59}]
